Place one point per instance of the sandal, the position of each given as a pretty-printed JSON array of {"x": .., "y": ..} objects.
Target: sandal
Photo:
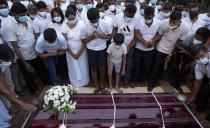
[{"x": 119, "y": 90}]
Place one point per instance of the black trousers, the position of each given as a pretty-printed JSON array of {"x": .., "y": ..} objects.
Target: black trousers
[
  {"x": 41, "y": 72},
  {"x": 143, "y": 61},
  {"x": 158, "y": 65},
  {"x": 203, "y": 95},
  {"x": 178, "y": 70}
]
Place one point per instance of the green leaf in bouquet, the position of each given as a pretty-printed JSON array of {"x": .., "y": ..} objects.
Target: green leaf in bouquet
[
  {"x": 55, "y": 110},
  {"x": 47, "y": 107}
]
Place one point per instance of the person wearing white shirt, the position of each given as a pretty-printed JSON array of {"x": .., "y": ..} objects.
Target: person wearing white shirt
[
  {"x": 95, "y": 34},
  {"x": 165, "y": 11},
  {"x": 181, "y": 6},
  {"x": 21, "y": 36},
  {"x": 172, "y": 31},
  {"x": 50, "y": 45},
  {"x": 206, "y": 18},
  {"x": 144, "y": 50},
  {"x": 201, "y": 85},
  {"x": 32, "y": 11},
  {"x": 79, "y": 6},
  {"x": 87, "y": 5},
  {"x": 125, "y": 23},
  {"x": 6, "y": 56},
  {"x": 58, "y": 23},
  {"x": 113, "y": 10},
  {"x": 58, "y": 20},
  {"x": 16, "y": 74},
  {"x": 116, "y": 60},
  {"x": 76, "y": 55},
  {"x": 100, "y": 8},
  {"x": 193, "y": 21},
  {"x": 40, "y": 23}
]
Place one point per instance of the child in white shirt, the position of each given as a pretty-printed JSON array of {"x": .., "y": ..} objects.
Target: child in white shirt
[{"x": 116, "y": 59}]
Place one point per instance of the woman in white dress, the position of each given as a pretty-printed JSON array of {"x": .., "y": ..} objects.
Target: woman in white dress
[{"x": 76, "y": 56}]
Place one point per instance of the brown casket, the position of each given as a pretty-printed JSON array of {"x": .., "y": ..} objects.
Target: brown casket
[{"x": 133, "y": 111}]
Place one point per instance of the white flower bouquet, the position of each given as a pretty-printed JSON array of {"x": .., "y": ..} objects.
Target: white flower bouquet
[{"x": 58, "y": 99}]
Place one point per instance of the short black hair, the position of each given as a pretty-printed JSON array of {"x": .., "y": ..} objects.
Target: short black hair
[
  {"x": 203, "y": 32},
  {"x": 60, "y": 12},
  {"x": 100, "y": 5},
  {"x": 149, "y": 10},
  {"x": 70, "y": 11},
  {"x": 73, "y": 6},
  {"x": 193, "y": 5},
  {"x": 167, "y": 6},
  {"x": 3, "y": 2},
  {"x": 41, "y": 5},
  {"x": 50, "y": 35},
  {"x": 197, "y": 49},
  {"x": 6, "y": 53},
  {"x": 130, "y": 8},
  {"x": 93, "y": 14},
  {"x": 18, "y": 8},
  {"x": 119, "y": 38},
  {"x": 176, "y": 15}
]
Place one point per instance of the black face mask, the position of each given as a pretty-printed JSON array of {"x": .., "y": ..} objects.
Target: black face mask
[{"x": 193, "y": 14}]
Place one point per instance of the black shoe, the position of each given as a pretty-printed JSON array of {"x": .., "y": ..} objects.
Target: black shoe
[
  {"x": 179, "y": 89},
  {"x": 149, "y": 88},
  {"x": 97, "y": 91}
]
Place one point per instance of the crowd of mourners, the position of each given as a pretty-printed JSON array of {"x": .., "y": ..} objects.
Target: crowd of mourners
[{"x": 48, "y": 42}]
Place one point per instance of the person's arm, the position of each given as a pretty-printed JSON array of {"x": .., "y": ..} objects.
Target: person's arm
[
  {"x": 139, "y": 37},
  {"x": 114, "y": 31},
  {"x": 9, "y": 95},
  {"x": 88, "y": 39},
  {"x": 48, "y": 54},
  {"x": 132, "y": 44},
  {"x": 79, "y": 53},
  {"x": 20, "y": 56},
  {"x": 102, "y": 36},
  {"x": 196, "y": 88},
  {"x": 36, "y": 35}
]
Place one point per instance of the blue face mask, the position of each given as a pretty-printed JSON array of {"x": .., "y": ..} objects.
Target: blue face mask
[
  {"x": 72, "y": 22},
  {"x": 88, "y": 6},
  {"x": 203, "y": 61},
  {"x": 23, "y": 18},
  {"x": 95, "y": 25},
  {"x": 154, "y": 1},
  {"x": 4, "y": 12}
]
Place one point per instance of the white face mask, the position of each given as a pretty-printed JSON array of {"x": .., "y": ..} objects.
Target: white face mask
[
  {"x": 195, "y": 41},
  {"x": 148, "y": 21},
  {"x": 112, "y": 8},
  {"x": 101, "y": 14},
  {"x": 166, "y": 14},
  {"x": 4, "y": 66},
  {"x": 79, "y": 6},
  {"x": 57, "y": 19},
  {"x": 33, "y": 17},
  {"x": 42, "y": 14}
]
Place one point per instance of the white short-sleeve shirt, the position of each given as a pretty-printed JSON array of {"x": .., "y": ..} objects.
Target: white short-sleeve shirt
[
  {"x": 126, "y": 28},
  {"x": 42, "y": 45},
  {"x": 194, "y": 26},
  {"x": 147, "y": 33},
  {"x": 201, "y": 70},
  {"x": 24, "y": 37},
  {"x": 116, "y": 53},
  {"x": 40, "y": 24},
  {"x": 170, "y": 37},
  {"x": 206, "y": 19},
  {"x": 98, "y": 43}
]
